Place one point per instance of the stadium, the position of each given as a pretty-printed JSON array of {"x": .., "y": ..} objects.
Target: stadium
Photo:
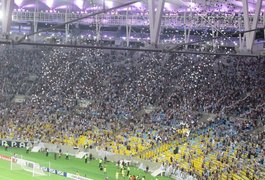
[{"x": 132, "y": 89}]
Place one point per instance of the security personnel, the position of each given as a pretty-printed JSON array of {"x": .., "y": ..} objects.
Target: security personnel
[
  {"x": 117, "y": 175},
  {"x": 100, "y": 163},
  {"x": 60, "y": 153},
  {"x": 67, "y": 156},
  {"x": 86, "y": 158},
  {"x": 27, "y": 149},
  {"x": 123, "y": 173},
  {"x": 6, "y": 146},
  {"x": 47, "y": 152},
  {"x": 105, "y": 170}
]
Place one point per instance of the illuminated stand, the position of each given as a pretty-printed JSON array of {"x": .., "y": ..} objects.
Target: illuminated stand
[{"x": 156, "y": 15}]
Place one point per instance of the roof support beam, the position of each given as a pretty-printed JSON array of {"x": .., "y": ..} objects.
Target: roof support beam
[
  {"x": 240, "y": 35},
  {"x": 155, "y": 16},
  {"x": 35, "y": 20},
  {"x": 250, "y": 36},
  {"x": 129, "y": 49},
  {"x": 264, "y": 23},
  {"x": 7, "y": 8},
  {"x": 66, "y": 26},
  {"x": 128, "y": 28},
  {"x": 98, "y": 27}
]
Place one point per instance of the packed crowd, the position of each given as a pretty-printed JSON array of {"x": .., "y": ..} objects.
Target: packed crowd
[
  {"x": 222, "y": 149},
  {"x": 118, "y": 87}
]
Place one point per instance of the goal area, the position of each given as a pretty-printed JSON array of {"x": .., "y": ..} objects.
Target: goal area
[{"x": 18, "y": 163}]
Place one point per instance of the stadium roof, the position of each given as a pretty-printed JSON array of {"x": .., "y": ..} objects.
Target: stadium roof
[{"x": 171, "y": 5}]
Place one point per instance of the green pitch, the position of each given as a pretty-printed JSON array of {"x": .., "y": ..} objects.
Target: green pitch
[
  {"x": 7, "y": 174},
  {"x": 73, "y": 165}
]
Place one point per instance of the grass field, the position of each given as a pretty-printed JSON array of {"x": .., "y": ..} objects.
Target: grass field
[
  {"x": 7, "y": 174},
  {"x": 73, "y": 165}
]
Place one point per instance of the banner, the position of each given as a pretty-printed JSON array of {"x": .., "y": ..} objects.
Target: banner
[
  {"x": 54, "y": 171},
  {"x": 6, "y": 158},
  {"x": 19, "y": 144},
  {"x": 73, "y": 176}
]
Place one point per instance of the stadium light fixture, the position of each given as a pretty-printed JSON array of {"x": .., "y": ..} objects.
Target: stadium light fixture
[
  {"x": 79, "y": 3},
  {"x": 168, "y": 6},
  {"x": 50, "y": 3},
  {"x": 138, "y": 5},
  {"x": 109, "y": 4},
  {"x": 19, "y": 2}
]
